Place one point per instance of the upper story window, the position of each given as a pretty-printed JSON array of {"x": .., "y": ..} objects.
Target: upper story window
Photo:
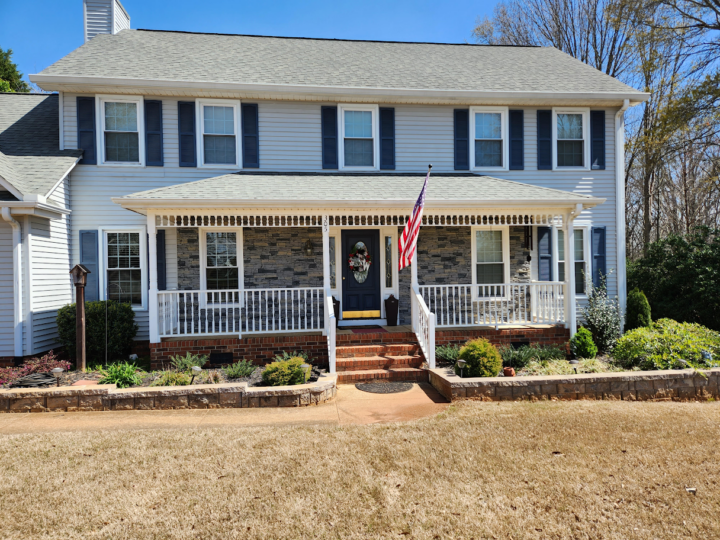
[
  {"x": 121, "y": 130},
  {"x": 359, "y": 137},
  {"x": 218, "y": 141},
  {"x": 571, "y": 133},
  {"x": 488, "y": 126}
]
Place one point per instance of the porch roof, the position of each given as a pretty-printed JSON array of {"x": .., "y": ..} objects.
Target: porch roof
[{"x": 352, "y": 190}]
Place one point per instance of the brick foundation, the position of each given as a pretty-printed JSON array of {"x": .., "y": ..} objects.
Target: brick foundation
[{"x": 553, "y": 335}]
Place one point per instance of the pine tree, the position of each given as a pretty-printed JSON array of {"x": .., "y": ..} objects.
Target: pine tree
[{"x": 9, "y": 74}]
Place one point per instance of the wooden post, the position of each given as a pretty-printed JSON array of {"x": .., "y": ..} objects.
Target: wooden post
[{"x": 80, "y": 361}]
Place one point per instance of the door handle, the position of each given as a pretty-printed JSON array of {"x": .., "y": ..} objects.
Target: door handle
[{"x": 343, "y": 279}]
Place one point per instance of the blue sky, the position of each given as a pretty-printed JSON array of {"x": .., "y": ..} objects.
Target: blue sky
[{"x": 42, "y": 31}]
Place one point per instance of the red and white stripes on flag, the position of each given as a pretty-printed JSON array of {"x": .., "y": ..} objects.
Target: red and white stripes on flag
[{"x": 408, "y": 239}]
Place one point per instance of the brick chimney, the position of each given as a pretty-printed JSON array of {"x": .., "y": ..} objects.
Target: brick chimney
[{"x": 104, "y": 17}]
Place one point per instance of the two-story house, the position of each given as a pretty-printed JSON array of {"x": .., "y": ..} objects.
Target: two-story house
[{"x": 232, "y": 186}]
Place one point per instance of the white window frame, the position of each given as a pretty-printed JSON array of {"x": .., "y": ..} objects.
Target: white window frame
[
  {"x": 203, "y": 254},
  {"x": 587, "y": 255},
  {"x": 504, "y": 137},
  {"x": 585, "y": 112},
  {"x": 506, "y": 256},
  {"x": 100, "y": 125},
  {"x": 375, "y": 110},
  {"x": 103, "y": 251},
  {"x": 200, "y": 131}
]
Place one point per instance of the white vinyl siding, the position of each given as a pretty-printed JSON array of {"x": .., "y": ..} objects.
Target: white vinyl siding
[
  {"x": 7, "y": 290},
  {"x": 98, "y": 18},
  {"x": 122, "y": 20}
]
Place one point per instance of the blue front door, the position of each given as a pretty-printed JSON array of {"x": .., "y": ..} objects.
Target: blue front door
[{"x": 361, "y": 282}]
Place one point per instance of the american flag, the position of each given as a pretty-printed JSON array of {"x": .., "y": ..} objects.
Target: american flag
[{"x": 408, "y": 239}]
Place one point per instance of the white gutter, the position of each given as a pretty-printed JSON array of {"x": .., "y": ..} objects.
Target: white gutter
[
  {"x": 620, "y": 201},
  {"x": 17, "y": 280}
]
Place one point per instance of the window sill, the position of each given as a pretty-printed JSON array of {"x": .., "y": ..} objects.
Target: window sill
[
  {"x": 219, "y": 166},
  {"x": 571, "y": 168},
  {"x": 121, "y": 164},
  {"x": 492, "y": 169}
]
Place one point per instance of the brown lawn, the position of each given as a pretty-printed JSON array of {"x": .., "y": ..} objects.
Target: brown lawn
[{"x": 481, "y": 470}]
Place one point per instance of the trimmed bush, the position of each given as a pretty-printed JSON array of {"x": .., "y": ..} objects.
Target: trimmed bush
[
  {"x": 667, "y": 344},
  {"x": 582, "y": 344},
  {"x": 187, "y": 362},
  {"x": 637, "y": 314},
  {"x": 122, "y": 374},
  {"x": 239, "y": 370},
  {"x": 121, "y": 330},
  {"x": 285, "y": 372},
  {"x": 483, "y": 359},
  {"x": 520, "y": 357}
]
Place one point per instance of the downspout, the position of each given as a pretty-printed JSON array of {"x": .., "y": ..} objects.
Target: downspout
[
  {"x": 620, "y": 210},
  {"x": 17, "y": 280}
]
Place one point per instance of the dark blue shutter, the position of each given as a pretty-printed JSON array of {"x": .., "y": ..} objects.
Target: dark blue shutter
[
  {"x": 250, "y": 136},
  {"x": 186, "y": 132},
  {"x": 597, "y": 144},
  {"x": 387, "y": 138},
  {"x": 161, "y": 266},
  {"x": 544, "y": 140},
  {"x": 517, "y": 141},
  {"x": 153, "y": 133},
  {"x": 599, "y": 268},
  {"x": 545, "y": 262},
  {"x": 328, "y": 120},
  {"x": 86, "y": 129},
  {"x": 462, "y": 139},
  {"x": 89, "y": 259}
]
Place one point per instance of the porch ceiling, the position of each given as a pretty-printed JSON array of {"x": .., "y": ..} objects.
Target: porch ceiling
[{"x": 353, "y": 191}]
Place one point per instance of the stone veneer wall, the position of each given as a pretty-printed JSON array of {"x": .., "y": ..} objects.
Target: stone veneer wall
[{"x": 188, "y": 259}]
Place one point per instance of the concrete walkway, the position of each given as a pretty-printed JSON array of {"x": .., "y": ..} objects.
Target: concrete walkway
[{"x": 351, "y": 406}]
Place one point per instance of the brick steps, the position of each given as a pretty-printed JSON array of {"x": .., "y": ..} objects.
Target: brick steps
[
  {"x": 393, "y": 374},
  {"x": 377, "y": 349},
  {"x": 378, "y": 362}
]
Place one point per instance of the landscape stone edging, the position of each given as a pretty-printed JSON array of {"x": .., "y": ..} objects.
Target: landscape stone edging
[
  {"x": 668, "y": 385},
  {"x": 107, "y": 397}
]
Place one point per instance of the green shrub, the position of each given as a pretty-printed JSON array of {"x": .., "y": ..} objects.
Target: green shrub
[
  {"x": 521, "y": 357},
  {"x": 241, "y": 369},
  {"x": 285, "y": 372},
  {"x": 121, "y": 330},
  {"x": 122, "y": 374},
  {"x": 172, "y": 378},
  {"x": 637, "y": 314},
  {"x": 582, "y": 344},
  {"x": 483, "y": 359},
  {"x": 295, "y": 354},
  {"x": 667, "y": 344},
  {"x": 447, "y": 353},
  {"x": 602, "y": 316},
  {"x": 187, "y": 362}
]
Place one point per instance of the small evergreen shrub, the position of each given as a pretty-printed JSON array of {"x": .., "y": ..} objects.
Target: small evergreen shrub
[
  {"x": 483, "y": 359},
  {"x": 667, "y": 344},
  {"x": 602, "y": 316},
  {"x": 637, "y": 314},
  {"x": 285, "y": 372},
  {"x": 520, "y": 357},
  {"x": 239, "y": 370},
  {"x": 582, "y": 344},
  {"x": 121, "y": 330},
  {"x": 187, "y": 362},
  {"x": 122, "y": 374},
  {"x": 295, "y": 354},
  {"x": 172, "y": 378},
  {"x": 447, "y": 353}
]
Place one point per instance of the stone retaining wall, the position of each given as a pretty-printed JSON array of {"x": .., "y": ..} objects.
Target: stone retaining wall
[
  {"x": 675, "y": 385},
  {"x": 107, "y": 397}
]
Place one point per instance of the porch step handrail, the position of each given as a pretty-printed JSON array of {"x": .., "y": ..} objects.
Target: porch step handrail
[
  {"x": 423, "y": 321},
  {"x": 496, "y": 304},
  {"x": 331, "y": 329}
]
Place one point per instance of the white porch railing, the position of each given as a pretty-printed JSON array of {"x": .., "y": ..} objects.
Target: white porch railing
[
  {"x": 423, "y": 323},
  {"x": 495, "y": 304},
  {"x": 252, "y": 311},
  {"x": 331, "y": 329}
]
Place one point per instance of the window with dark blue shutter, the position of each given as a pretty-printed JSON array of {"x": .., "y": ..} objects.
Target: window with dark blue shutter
[
  {"x": 462, "y": 139},
  {"x": 544, "y": 140},
  {"x": 517, "y": 140},
  {"x": 250, "y": 136},
  {"x": 86, "y": 129},
  {"x": 153, "y": 133},
  {"x": 597, "y": 136},
  {"x": 599, "y": 268},
  {"x": 387, "y": 138},
  {"x": 328, "y": 121},
  {"x": 545, "y": 262},
  {"x": 186, "y": 133},
  {"x": 161, "y": 266},
  {"x": 89, "y": 259}
]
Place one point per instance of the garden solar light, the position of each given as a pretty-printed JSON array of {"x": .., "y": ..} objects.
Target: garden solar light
[
  {"x": 195, "y": 371},
  {"x": 305, "y": 367},
  {"x": 461, "y": 364},
  {"x": 56, "y": 373}
]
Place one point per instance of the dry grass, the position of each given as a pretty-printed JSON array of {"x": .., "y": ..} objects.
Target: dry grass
[{"x": 508, "y": 470}]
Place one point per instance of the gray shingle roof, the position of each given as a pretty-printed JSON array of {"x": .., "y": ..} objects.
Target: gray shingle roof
[
  {"x": 30, "y": 159},
  {"x": 349, "y": 188},
  {"x": 194, "y": 57}
]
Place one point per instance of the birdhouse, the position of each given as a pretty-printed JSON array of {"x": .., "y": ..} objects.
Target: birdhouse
[{"x": 79, "y": 275}]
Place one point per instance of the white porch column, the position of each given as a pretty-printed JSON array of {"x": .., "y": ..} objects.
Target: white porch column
[
  {"x": 326, "y": 268},
  {"x": 570, "y": 304},
  {"x": 152, "y": 273}
]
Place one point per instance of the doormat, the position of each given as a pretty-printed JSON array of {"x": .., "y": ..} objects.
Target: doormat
[{"x": 384, "y": 387}]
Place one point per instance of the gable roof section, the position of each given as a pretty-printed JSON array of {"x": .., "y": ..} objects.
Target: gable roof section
[
  {"x": 30, "y": 159},
  {"x": 133, "y": 57},
  {"x": 252, "y": 190}
]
